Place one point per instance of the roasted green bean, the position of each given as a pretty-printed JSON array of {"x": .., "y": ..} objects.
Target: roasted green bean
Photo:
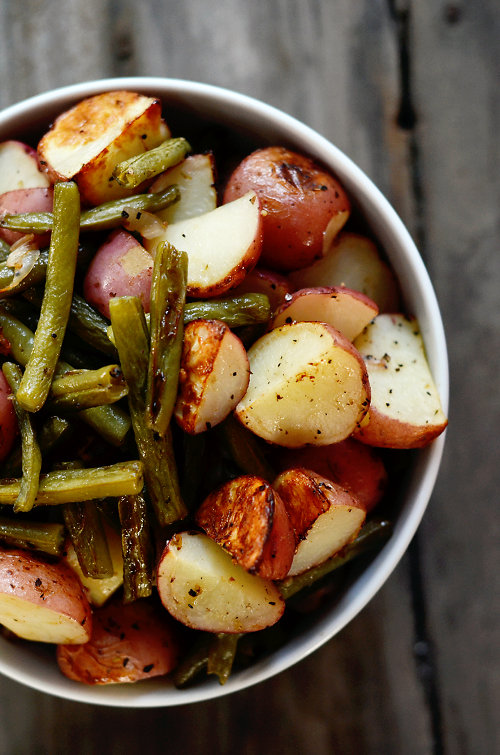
[
  {"x": 73, "y": 485},
  {"x": 221, "y": 655},
  {"x": 137, "y": 548},
  {"x": 235, "y": 311},
  {"x": 155, "y": 451},
  {"x": 168, "y": 295},
  {"x": 132, "y": 172},
  {"x": 54, "y": 428},
  {"x": 111, "y": 422},
  {"x": 61, "y": 266},
  {"x": 86, "y": 532},
  {"x": 81, "y": 389},
  {"x": 45, "y": 537},
  {"x": 245, "y": 449},
  {"x": 30, "y": 451},
  {"x": 103, "y": 217}
]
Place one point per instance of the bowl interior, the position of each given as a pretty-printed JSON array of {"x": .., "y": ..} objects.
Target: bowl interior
[{"x": 198, "y": 110}]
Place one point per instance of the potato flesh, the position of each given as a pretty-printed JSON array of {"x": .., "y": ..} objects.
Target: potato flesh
[
  {"x": 194, "y": 178},
  {"x": 19, "y": 168},
  {"x": 304, "y": 388},
  {"x": 331, "y": 531},
  {"x": 200, "y": 586},
  {"x": 400, "y": 378},
  {"x": 39, "y": 623},
  {"x": 217, "y": 244}
]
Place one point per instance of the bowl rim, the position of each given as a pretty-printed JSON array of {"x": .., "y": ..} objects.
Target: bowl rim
[{"x": 393, "y": 235}]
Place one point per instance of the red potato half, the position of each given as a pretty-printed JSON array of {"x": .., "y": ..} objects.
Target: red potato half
[
  {"x": 201, "y": 586},
  {"x": 353, "y": 261},
  {"x": 308, "y": 385},
  {"x": 19, "y": 167},
  {"x": 262, "y": 281},
  {"x": 26, "y": 200},
  {"x": 195, "y": 179},
  {"x": 325, "y": 516},
  {"x": 42, "y": 601},
  {"x": 213, "y": 376},
  {"x": 346, "y": 310},
  {"x": 8, "y": 420},
  {"x": 86, "y": 142},
  {"x": 304, "y": 206},
  {"x": 222, "y": 245},
  {"x": 129, "y": 643},
  {"x": 121, "y": 267},
  {"x": 351, "y": 464},
  {"x": 406, "y": 408},
  {"x": 248, "y": 519}
]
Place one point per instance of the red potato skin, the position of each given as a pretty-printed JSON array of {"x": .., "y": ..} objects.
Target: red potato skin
[
  {"x": 26, "y": 200},
  {"x": 351, "y": 464},
  {"x": 108, "y": 276},
  {"x": 248, "y": 519},
  {"x": 262, "y": 281},
  {"x": 8, "y": 420},
  {"x": 129, "y": 643},
  {"x": 298, "y": 200},
  {"x": 302, "y": 491},
  {"x": 385, "y": 432},
  {"x": 53, "y": 585}
]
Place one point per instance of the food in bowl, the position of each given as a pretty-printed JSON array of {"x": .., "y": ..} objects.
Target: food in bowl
[{"x": 242, "y": 425}]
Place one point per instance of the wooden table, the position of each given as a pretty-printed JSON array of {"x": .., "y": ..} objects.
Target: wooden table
[{"x": 409, "y": 90}]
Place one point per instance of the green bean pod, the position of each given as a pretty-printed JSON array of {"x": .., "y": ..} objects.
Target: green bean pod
[
  {"x": 168, "y": 296},
  {"x": 101, "y": 218},
  {"x": 111, "y": 422},
  {"x": 86, "y": 532},
  {"x": 54, "y": 428},
  {"x": 155, "y": 451},
  {"x": 45, "y": 537},
  {"x": 137, "y": 548},
  {"x": 221, "y": 655},
  {"x": 74, "y": 485},
  {"x": 30, "y": 451},
  {"x": 134, "y": 171},
  {"x": 61, "y": 266},
  {"x": 81, "y": 389},
  {"x": 235, "y": 311}
]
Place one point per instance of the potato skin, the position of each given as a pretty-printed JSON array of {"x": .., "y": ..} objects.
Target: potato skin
[
  {"x": 248, "y": 519},
  {"x": 129, "y": 643},
  {"x": 121, "y": 267},
  {"x": 26, "y": 200},
  {"x": 351, "y": 464},
  {"x": 8, "y": 420},
  {"x": 298, "y": 200}
]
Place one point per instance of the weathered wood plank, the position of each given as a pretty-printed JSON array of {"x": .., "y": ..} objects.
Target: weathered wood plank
[{"x": 457, "y": 69}]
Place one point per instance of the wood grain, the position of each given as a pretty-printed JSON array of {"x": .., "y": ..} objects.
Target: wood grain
[{"x": 410, "y": 91}]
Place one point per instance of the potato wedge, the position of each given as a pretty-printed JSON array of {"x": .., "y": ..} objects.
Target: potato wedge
[
  {"x": 86, "y": 142},
  {"x": 308, "y": 384},
  {"x": 201, "y": 586},
  {"x": 351, "y": 464},
  {"x": 353, "y": 261},
  {"x": 42, "y": 601},
  {"x": 195, "y": 179},
  {"x": 129, "y": 643},
  {"x": 248, "y": 519},
  {"x": 406, "y": 408},
  {"x": 222, "y": 245},
  {"x": 213, "y": 377},
  {"x": 120, "y": 267},
  {"x": 325, "y": 517},
  {"x": 19, "y": 167},
  {"x": 346, "y": 310}
]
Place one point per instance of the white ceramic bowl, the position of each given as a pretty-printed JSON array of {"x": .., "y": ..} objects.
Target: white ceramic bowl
[{"x": 35, "y": 666}]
